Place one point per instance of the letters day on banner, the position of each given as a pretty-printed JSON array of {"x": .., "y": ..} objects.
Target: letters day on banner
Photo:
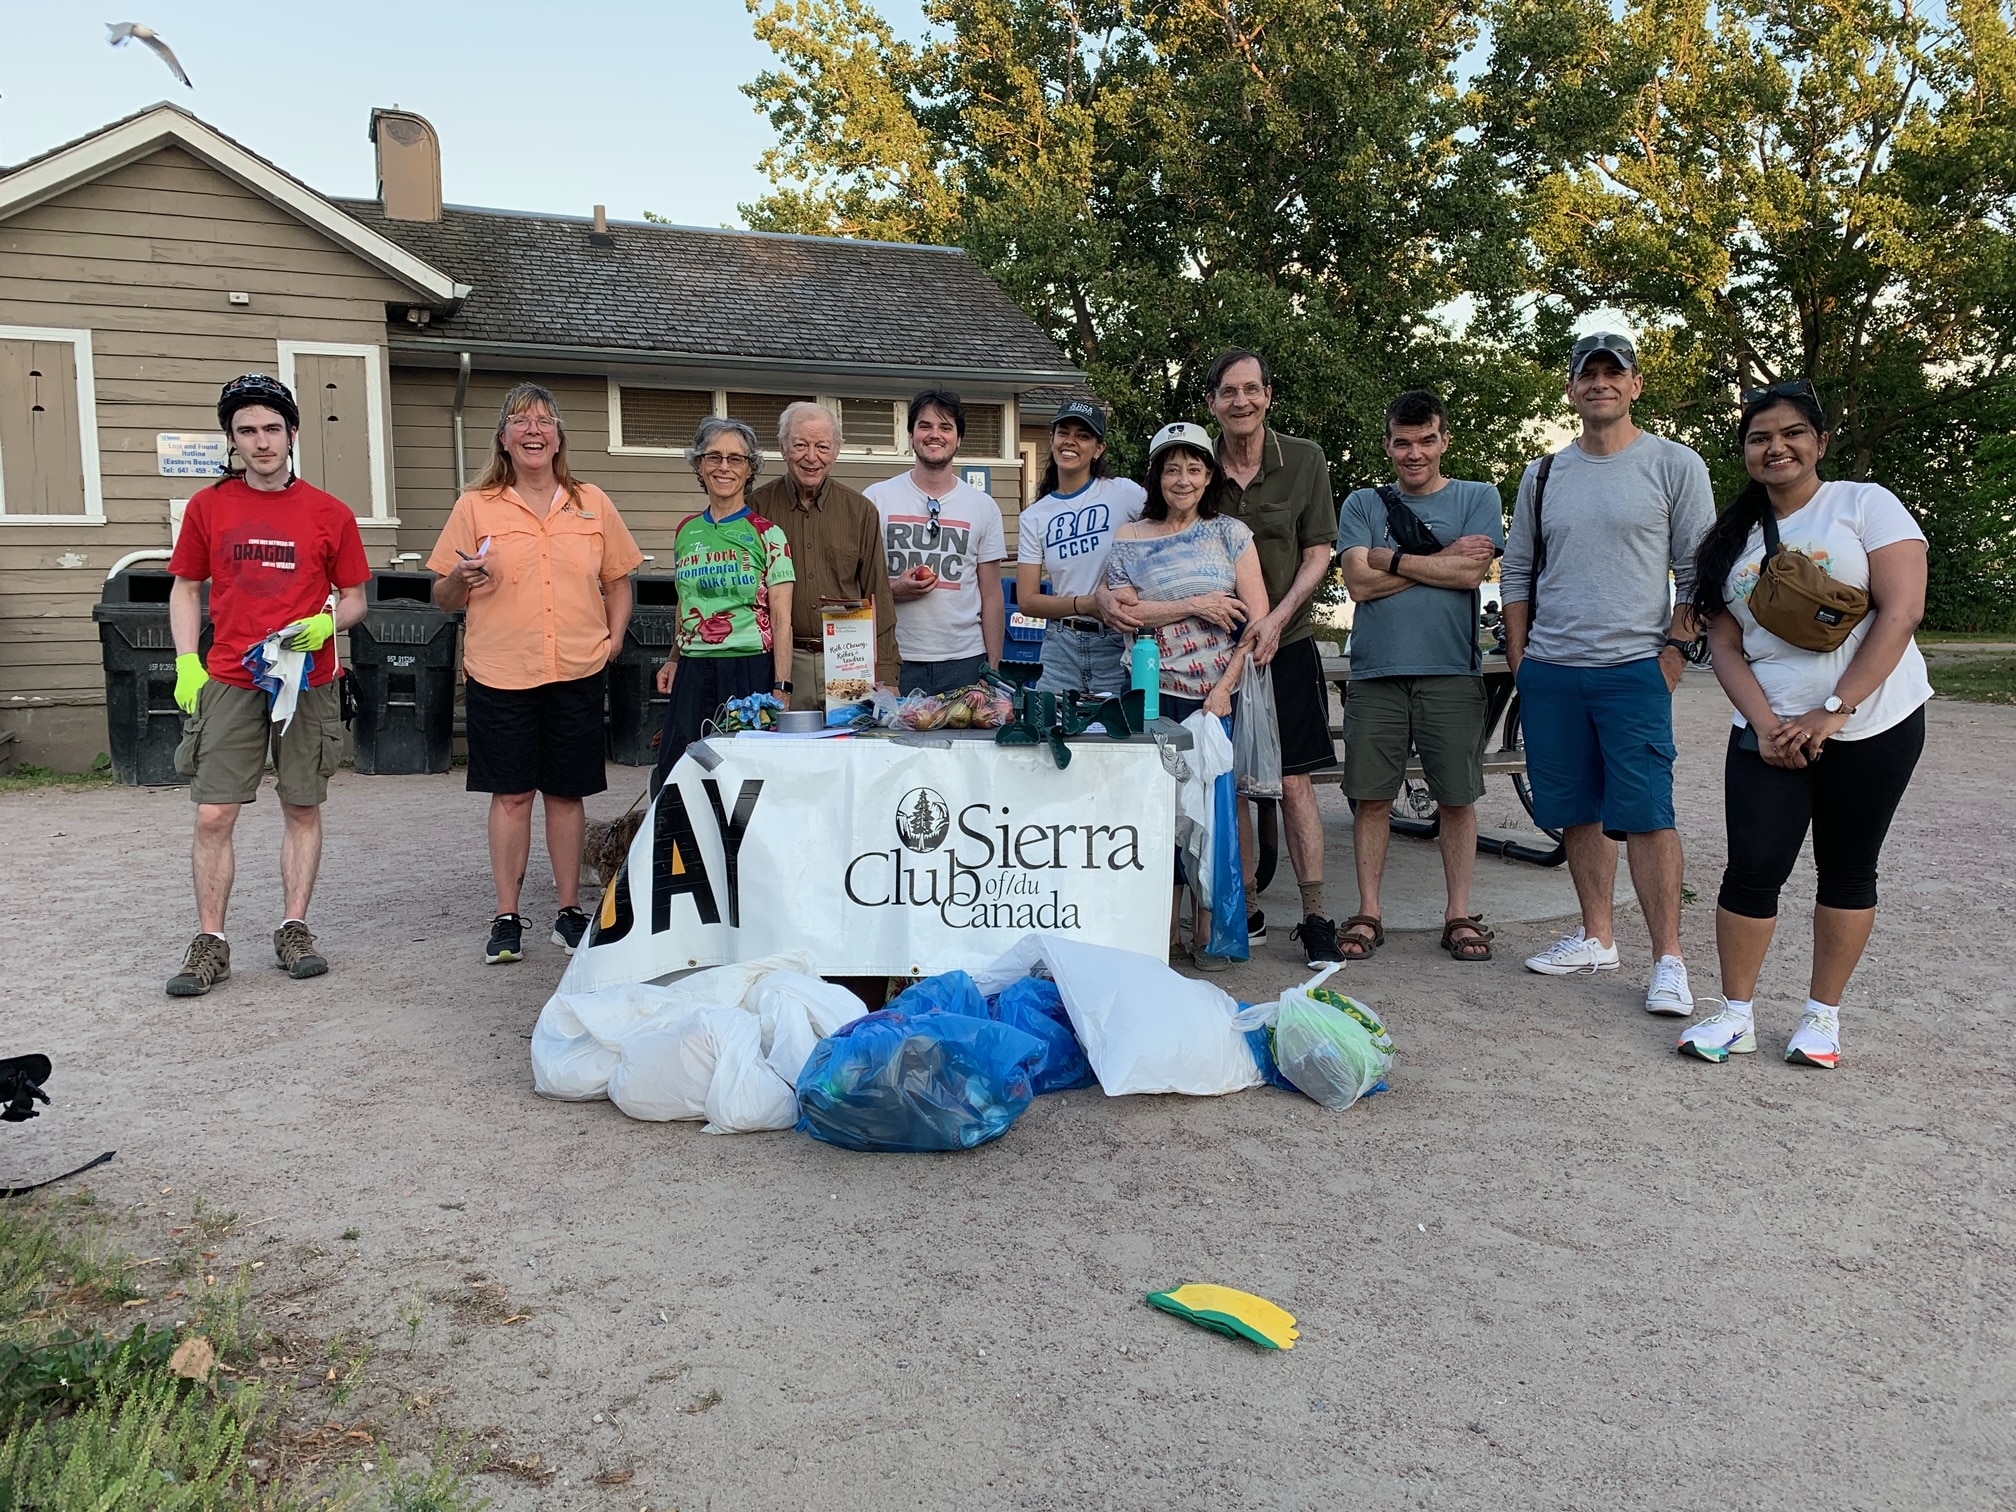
[{"x": 882, "y": 858}]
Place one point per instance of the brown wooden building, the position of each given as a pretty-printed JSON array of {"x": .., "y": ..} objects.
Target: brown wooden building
[{"x": 143, "y": 266}]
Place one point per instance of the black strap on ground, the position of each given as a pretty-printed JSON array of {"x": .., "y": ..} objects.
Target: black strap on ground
[{"x": 36, "y": 1186}]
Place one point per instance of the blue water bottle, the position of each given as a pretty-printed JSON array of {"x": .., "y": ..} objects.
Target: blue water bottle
[{"x": 1148, "y": 675}]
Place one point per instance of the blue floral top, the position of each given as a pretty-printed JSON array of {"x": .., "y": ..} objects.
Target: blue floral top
[{"x": 1194, "y": 561}]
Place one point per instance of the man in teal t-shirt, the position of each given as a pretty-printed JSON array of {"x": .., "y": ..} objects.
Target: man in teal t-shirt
[{"x": 1416, "y": 683}]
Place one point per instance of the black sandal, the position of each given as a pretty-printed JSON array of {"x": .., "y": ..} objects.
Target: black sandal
[
  {"x": 1474, "y": 946},
  {"x": 1370, "y": 935}
]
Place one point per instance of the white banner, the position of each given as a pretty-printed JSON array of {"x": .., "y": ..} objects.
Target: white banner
[{"x": 879, "y": 858}]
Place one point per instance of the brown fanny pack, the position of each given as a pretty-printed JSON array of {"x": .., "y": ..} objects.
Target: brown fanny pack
[{"x": 1798, "y": 602}]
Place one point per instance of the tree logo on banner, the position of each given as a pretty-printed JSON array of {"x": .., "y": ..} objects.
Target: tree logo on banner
[{"x": 923, "y": 819}]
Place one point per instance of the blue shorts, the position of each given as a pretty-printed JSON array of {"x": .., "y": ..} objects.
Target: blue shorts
[{"x": 1599, "y": 745}]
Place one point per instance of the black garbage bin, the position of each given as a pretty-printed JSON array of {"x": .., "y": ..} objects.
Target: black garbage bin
[
  {"x": 402, "y": 654},
  {"x": 142, "y": 724},
  {"x": 636, "y": 707}
]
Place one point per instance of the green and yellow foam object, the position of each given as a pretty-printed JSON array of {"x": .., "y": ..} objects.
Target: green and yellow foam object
[{"x": 1236, "y": 1314}]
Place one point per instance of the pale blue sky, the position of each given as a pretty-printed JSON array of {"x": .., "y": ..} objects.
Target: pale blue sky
[{"x": 555, "y": 106}]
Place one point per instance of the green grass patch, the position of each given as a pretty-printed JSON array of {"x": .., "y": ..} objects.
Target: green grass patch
[
  {"x": 1978, "y": 679},
  {"x": 1962, "y": 638},
  {"x": 98, "y": 1414},
  {"x": 28, "y": 779}
]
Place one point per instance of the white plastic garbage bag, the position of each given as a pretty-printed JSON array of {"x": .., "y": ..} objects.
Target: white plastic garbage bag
[
  {"x": 1208, "y": 759},
  {"x": 665, "y": 1071},
  {"x": 744, "y": 1095},
  {"x": 1144, "y": 1027},
  {"x": 575, "y": 1044},
  {"x": 795, "y": 1012}
]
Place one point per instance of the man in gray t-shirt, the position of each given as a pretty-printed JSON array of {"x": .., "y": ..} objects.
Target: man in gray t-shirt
[
  {"x": 1415, "y": 678},
  {"x": 1597, "y": 637}
]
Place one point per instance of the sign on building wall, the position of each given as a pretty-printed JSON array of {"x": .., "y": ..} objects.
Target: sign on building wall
[{"x": 190, "y": 455}]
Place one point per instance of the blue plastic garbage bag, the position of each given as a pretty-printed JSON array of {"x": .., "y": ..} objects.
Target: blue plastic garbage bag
[
  {"x": 948, "y": 992},
  {"x": 1035, "y": 1006},
  {"x": 1228, "y": 871},
  {"x": 902, "y": 1083},
  {"x": 1261, "y": 1042}
]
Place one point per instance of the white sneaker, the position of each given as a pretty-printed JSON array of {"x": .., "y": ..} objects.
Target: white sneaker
[
  {"x": 1720, "y": 1035},
  {"x": 1573, "y": 953},
  {"x": 1669, "y": 993},
  {"x": 1816, "y": 1042}
]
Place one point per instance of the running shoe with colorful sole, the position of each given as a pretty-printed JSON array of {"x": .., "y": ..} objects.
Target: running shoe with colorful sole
[
  {"x": 1719, "y": 1036},
  {"x": 1816, "y": 1042}
]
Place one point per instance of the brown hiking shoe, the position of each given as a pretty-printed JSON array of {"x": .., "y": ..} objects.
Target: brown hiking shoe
[
  {"x": 295, "y": 949},
  {"x": 207, "y": 963}
]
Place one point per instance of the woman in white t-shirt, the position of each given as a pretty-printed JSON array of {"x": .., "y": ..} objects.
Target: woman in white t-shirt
[
  {"x": 1823, "y": 739},
  {"x": 1064, "y": 537}
]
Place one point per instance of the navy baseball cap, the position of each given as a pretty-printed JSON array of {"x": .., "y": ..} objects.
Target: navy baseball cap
[{"x": 1085, "y": 413}]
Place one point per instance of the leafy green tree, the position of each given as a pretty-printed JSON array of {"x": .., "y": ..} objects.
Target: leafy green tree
[
  {"x": 1780, "y": 189},
  {"x": 1154, "y": 182}
]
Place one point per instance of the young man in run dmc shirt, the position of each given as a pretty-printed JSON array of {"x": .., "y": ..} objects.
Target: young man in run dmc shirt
[
  {"x": 272, "y": 549},
  {"x": 1063, "y": 539},
  {"x": 1596, "y": 638},
  {"x": 945, "y": 543}
]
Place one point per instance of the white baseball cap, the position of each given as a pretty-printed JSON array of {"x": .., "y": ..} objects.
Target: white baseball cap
[{"x": 1181, "y": 433}]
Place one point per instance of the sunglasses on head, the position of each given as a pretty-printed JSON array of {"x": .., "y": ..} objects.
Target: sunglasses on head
[{"x": 1798, "y": 388}]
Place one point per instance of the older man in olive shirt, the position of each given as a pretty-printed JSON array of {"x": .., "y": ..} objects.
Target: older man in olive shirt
[{"x": 836, "y": 547}]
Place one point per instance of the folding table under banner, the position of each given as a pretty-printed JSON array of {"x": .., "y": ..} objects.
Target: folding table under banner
[{"x": 899, "y": 856}]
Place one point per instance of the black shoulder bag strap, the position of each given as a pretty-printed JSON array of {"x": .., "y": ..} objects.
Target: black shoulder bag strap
[
  {"x": 1539, "y": 544},
  {"x": 1772, "y": 544},
  {"x": 1409, "y": 531}
]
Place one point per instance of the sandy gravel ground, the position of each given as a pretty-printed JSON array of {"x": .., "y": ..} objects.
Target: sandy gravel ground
[{"x": 1556, "y": 1267}]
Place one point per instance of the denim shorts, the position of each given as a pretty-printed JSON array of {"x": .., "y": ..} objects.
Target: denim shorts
[
  {"x": 1080, "y": 661},
  {"x": 1599, "y": 745}
]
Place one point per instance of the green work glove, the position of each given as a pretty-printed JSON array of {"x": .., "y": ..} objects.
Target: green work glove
[
  {"x": 189, "y": 680},
  {"x": 311, "y": 634}
]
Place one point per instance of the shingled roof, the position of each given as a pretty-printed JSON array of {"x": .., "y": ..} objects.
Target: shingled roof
[{"x": 807, "y": 300}]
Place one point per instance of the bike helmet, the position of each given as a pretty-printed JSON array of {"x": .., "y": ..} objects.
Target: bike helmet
[{"x": 256, "y": 388}]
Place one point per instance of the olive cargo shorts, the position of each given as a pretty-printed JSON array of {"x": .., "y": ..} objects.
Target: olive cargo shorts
[{"x": 225, "y": 745}]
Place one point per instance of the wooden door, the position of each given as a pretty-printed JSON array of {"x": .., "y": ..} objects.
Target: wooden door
[
  {"x": 335, "y": 442},
  {"x": 41, "y": 441}
]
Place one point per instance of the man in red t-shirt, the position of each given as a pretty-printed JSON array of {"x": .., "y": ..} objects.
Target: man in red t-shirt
[{"x": 272, "y": 549}]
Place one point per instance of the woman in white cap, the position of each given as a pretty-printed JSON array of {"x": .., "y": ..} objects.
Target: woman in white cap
[
  {"x": 1196, "y": 583},
  {"x": 1063, "y": 539}
]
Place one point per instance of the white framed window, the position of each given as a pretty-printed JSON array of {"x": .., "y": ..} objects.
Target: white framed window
[
  {"x": 341, "y": 448},
  {"x": 648, "y": 419},
  {"x": 49, "y": 465}
]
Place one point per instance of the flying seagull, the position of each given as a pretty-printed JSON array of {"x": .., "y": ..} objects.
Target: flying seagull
[{"x": 132, "y": 31}]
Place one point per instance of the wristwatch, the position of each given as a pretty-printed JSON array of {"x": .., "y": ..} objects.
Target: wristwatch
[
  {"x": 1685, "y": 648},
  {"x": 782, "y": 687},
  {"x": 1833, "y": 705},
  {"x": 1393, "y": 567}
]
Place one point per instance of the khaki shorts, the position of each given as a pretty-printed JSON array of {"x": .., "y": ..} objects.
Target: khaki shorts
[
  {"x": 1440, "y": 718},
  {"x": 226, "y": 743}
]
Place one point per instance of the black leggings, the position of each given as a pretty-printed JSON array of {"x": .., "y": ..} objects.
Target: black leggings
[{"x": 1847, "y": 797}]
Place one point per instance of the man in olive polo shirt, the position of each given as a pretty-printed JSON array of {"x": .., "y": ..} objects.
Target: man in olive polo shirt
[
  {"x": 1280, "y": 486},
  {"x": 836, "y": 547}
]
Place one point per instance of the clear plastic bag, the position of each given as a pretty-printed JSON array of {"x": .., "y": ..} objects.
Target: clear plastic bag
[
  {"x": 1333, "y": 1048},
  {"x": 1256, "y": 735}
]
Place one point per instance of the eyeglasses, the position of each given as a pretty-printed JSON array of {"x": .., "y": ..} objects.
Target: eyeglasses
[
  {"x": 722, "y": 459},
  {"x": 1797, "y": 388},
  {"x": 530, "y": 421},
  {"x": 933, "y": 507}
]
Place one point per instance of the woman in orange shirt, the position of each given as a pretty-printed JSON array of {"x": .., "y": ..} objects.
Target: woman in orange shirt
[{"x": 542, "y": 562}]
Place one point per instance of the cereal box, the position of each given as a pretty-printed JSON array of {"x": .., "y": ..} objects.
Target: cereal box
[{"x": 848, "y": 627}]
